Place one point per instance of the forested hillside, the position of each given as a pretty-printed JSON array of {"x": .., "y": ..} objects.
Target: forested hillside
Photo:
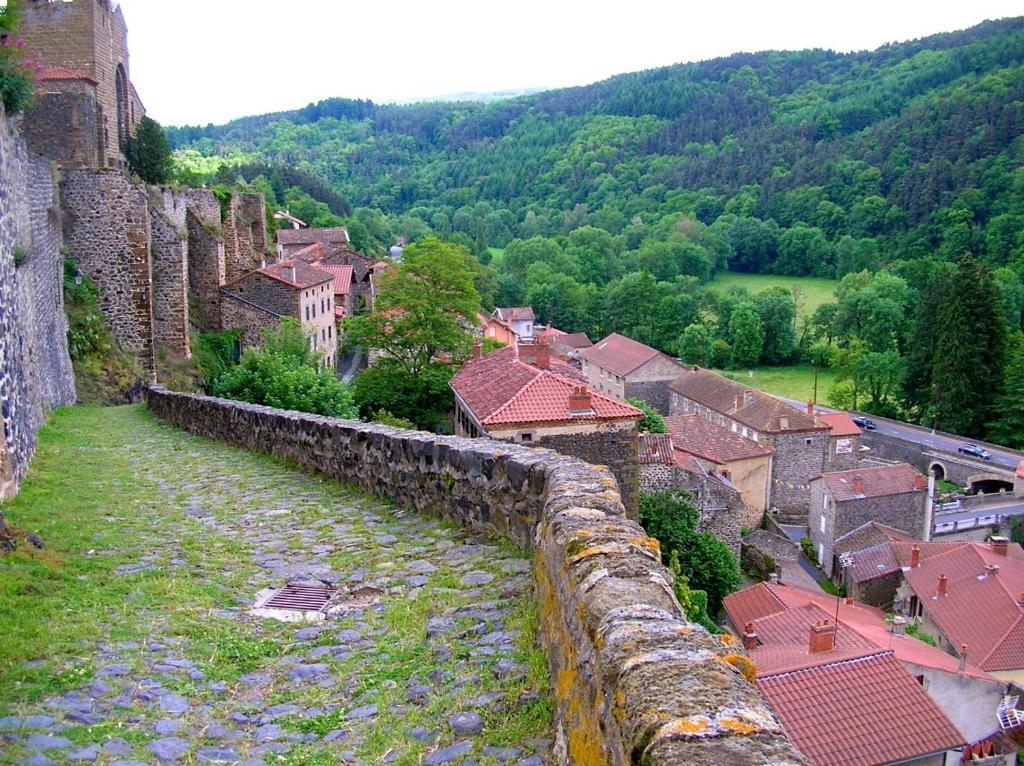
[{"x": 612, "y": 204}]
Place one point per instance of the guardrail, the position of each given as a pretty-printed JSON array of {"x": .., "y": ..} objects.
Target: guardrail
[
  {"x": 962, "y": 525},
  {"x": 1003, "y": 449}
]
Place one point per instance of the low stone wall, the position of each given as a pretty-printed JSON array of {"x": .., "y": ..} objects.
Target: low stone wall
[{"x": 633, "y": 681}]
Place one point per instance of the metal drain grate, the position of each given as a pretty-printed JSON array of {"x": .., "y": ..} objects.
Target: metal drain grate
[{"x": 302, "y": 597}]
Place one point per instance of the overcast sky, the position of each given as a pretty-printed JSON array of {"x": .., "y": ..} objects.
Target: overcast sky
[{"x": 200, "y": 61}]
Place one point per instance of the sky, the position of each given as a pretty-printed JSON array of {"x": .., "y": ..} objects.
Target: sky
[{"x": 202, "y": 61}]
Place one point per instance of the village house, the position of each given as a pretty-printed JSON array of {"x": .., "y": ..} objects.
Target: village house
[
  {"x": 871, "y": 574},
  {"x": 492, "y": 328},
  {"x": 565, "y": 345},
  {"x": 262, "y": 298},
  {"x": 624, "y": 368},
  {"x": 799, "y": 440},
  {"x": 746, "y": 464},
  {"x": 291, "y": 240},
  {"x": 663, "y": 468},
  {"x": 520, "y": 318},
  {"x": 522, "y": 394},
  {"x": 970, "y": 597},
  {"x": 843, "y": 441},
  {"x": 850, "y": 688},
  {"x": 896, "y": 495}
]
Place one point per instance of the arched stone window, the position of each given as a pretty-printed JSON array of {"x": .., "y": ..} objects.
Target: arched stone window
[{"x": 123, "y": 119}]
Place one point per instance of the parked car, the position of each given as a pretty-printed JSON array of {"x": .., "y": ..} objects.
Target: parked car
[
  {"x": 974, "y": 451},
  {"x": 865, "y": 423}
]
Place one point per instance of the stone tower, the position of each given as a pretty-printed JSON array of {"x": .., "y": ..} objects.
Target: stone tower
[{"x": 86, "y": 106}]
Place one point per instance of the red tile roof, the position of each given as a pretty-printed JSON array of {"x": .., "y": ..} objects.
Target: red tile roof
[
  {"x": 501, "y": 389},
  {"x": 305, "y": 276},
  {"x": 868, "y": 535},
  {"x": 752, "y": 408},
  {"x": 567, "y": 339},
  {"x": 621, "y": 355},
  {"x": 342, "y": 277},
  {"x": 859, "y": 712},
  {"x": 871, "y": 563},
  {"x": 878, "y": 481},
  {"x": 51, "y": 73},
  {"x": 515, "y": 314},
  {"x": 656, "y": 449},
  {"x": 1020, "y": 470},
  {"x": 842, "y": 424},
  {"x": 980, "y": 608},
  {"x": 710, "y": 441},
  {"x": 336, "y": 235},
  {"x": 308, "y": 254}
]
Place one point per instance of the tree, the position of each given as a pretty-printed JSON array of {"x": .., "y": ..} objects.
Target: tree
[
  {"x": 1008, "y": 426},
  {"x": 424, "y": 399},
  {"x": 704, "y": 559},
  {"x": 424, "y": 308},
  {"x": 652, "y": 422},
  {"x": 695, "y": 345},
  {"x": 149, "y": 153},
  {"x": 747, "y": 333},
  {"x": 777, "y": 312},
  {"x": 803, "y": 250},
  {"x": 967, "y": 374}
]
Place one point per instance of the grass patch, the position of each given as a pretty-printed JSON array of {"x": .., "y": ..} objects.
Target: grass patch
[
  {"x": 794, "y": 381},
  {"x": 814, "y": 290}
]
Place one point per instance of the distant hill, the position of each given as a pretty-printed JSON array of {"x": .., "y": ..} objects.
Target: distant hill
[{"x": 910, "y": 149}]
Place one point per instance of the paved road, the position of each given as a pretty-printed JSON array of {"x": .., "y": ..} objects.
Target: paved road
[
  {"x": 1011, "y": 508},
  {"x": 1003, "y": 458}
]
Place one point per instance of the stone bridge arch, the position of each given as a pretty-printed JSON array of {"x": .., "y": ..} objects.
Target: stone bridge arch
[
  {"x": 989, "y": 483},
  {"x": 938, "y": 470}
]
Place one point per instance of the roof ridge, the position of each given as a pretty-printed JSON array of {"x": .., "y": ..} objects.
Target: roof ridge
[
  {"x": 999, "y": 644},
  {"x": 522, "y": 389},
  {"x": 873, "y": 654}
]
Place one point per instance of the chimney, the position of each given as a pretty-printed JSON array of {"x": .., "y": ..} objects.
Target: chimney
[
  {"x": 526, "y": 352},
  {"x": 810, "y": 408},
  {"x": 899, "y": 626},
  {"x": 773, "y": 578},
  {"x": 580, "y": 401},
  {"x": 991, "y": 569},
  {"x": 543, "y": 354},
  {"x": 858, "y": 485},
  {"x": 478, "y": 350},
  {"x": 739, "y": 401},
  {"x": 920, "y": 482},
  {"x": 963, "y": 657},
  {"x": 915, "y": 556},
  {"x": 1000, "y": 545},
  {"x": 750, "y": 641},
  {"x": 943, "y": 583},
  {"x": 288, "y": 272},
  {"x": 263, "y": 262},
  {"x": 823, "y": 637},
  {"x": 849, "y": 600}
]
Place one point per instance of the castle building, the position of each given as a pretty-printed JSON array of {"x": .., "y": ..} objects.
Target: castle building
[{"x": 86, "y": 107}]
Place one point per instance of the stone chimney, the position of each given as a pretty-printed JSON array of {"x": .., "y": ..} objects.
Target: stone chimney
[
  {"x": 773, "y": 577},
  {"x": 580, "y": 401},
  {"x": 858, "y": 485},
  {"x": 1000, "y": 545},
  {"x": 915, "y": 556},
  {"x": 810, "y": 408},
  {"x": 288, "y": 272},
  {"x": 943, "y": 585},
  {"x": 750, "y": 641},
  {"x": 478, "y": 350},
  {"x": 739, "y": 401},
  {"x": 920, "y": 482},
  {"x": 963, "y": 657},
  {"x": 823, "y": 637},
  {"x": 544, "y": 354},
  {"x": 899, "y": 626},
  {"x": 849, "y": 600},
  {"x": 991, "y": 569}
]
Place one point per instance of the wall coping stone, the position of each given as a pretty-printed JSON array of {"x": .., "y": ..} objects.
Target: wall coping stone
[{"x": 633, "y": 681}]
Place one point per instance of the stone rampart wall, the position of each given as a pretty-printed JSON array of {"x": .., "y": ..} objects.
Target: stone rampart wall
[
  {"x": 633, "y": 681},
  {"x": 65, "y": 125},
  {"x": 35, "y": 369},
  {"x": 169, "y": 232},
  {"x": 107, "y": 229},
  {"x": 205, "y": 256}
]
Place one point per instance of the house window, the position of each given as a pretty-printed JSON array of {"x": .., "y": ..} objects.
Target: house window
[
  {"x": 307, "y": 313},
  {"x": 526, "y": 437},
  {"x": 822, "y": 530},
  {"x": 329, "y": 328},
  {"x": 322, "y": 304},
  {"x": 323, "y": 333},
  {"x": 824, "y": 504},
  {"x": 808, "y": 441}
]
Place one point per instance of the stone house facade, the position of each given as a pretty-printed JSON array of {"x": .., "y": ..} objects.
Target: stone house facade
[
  {"x": 544, "y": 403},
  {"x": 622, "y": 367},
  {"x": 519, "y": 318},
  {"x": 86, "y": 121},
  {"x": 843, "y": 441},
  {"x": 287, "y": 289},
  {"x": 840, "y": 502},
  {"x": 798, "y": 440}
]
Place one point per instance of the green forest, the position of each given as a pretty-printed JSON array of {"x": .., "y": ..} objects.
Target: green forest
[{"x": 897, "y": 171}]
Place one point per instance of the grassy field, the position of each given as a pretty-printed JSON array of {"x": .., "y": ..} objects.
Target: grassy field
[
  {"x": 795, "y": 381},
  {"x": 497, "y": 256},
  {"x": 816, "y": 291}
]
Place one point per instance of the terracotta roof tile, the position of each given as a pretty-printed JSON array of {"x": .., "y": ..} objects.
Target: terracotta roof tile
[
  {"x": 687, "y": 462},
  {"x": 868, "y": 535},
  {"x": 872, "y": 562},
  {"x": 515, "y": 314},
  {"x": 52, "y": 73},
  {"x": 980, "y": 608},
  {"x": 842, "y": 424},
  {"x": 501, "y": 389},
  {"x": 878, "y": 481},
  {"x": 710, "y": 441},
  {"x": 308, "y": 254},
  {"x": 620, "y": 354},
  {"x": 305, "y": 276},
  {"x": 342, "y": 277},
  {"x": 656, "y": 449},
  {"x": 336, "y": 235},
  {"x": 859, "y": 712},
  {"x": 754, "y": 409}
]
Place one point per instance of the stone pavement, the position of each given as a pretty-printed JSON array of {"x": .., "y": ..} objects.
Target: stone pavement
[{"x": 434, "y": 663}]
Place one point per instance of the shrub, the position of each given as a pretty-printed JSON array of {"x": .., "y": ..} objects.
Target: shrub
[
  {"x": 386, "y": 418},
  {"x": 424, "y": 399},
  {"x": 652, "y": 421},
  {"x": 15, "y": 81},
  {"x": 808, "y": 548},
  {"x": 149, "y": 153}
]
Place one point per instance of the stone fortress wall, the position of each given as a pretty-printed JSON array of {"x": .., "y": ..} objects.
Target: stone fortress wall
[
  {"x": 35, "y": 369},
  {"x": 633, "y": 681}
]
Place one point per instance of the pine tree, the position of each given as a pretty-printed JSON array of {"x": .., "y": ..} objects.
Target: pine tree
[
  {"x": 967, "y": 372},
  {"x": 149, "y": 153},
  {"x": 1008, "y": 427}
]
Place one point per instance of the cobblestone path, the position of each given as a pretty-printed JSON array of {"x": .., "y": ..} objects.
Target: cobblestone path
[{"x": 152, "y": 656}]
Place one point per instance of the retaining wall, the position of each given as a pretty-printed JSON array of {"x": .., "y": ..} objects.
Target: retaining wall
[{"x": 633, "y": 681}]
